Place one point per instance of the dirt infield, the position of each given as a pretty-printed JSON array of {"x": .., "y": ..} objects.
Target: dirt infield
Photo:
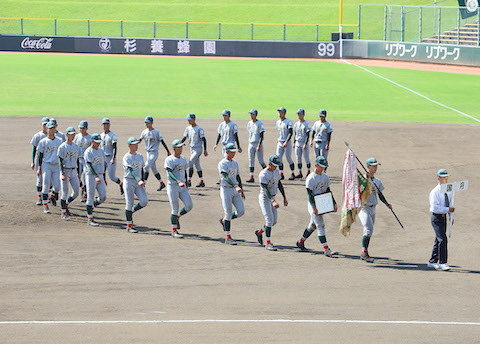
[{"x": 58, "y": 271}]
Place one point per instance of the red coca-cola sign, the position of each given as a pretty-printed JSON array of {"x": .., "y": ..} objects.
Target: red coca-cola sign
[{"x": 40, "y": 44}]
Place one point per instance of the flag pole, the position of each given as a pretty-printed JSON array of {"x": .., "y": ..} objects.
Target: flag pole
[
  {"x": 340, "y": 23},
  {"x": 346, "y": 143}
]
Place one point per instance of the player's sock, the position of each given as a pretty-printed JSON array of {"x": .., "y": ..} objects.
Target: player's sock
[
  {"x": 174, "y": 221},
  {"x": 300, "y": 168},
  {"x": 119, "y": 181},
  {"x": 234, "y": 215},
  {"x": 252, "y": 169},
  {"x": 39, "y": 191},
  {"x": 226, "y": 226},
  {"x": 90, "y": 212},
  {"x": 365, "y": 243},
  {"x": 306, "y": 234},
  {"x": 96, "y": 203},
  {"x": 128, "y": 215},
  {"x": 63, "y": 205},
  {"x": 323, "y": 240},
  {"x": 292, "y": 168},
  {"x": 268, "y": 231},
  {"x": 263, "y": 165},
  {"x": 137, "y": 207},
  {"x": 145, "y": 175},
  {"x": 183, "y": 212},
  {"x": 190, "y": 173},
  {"x": 70, "y": 200},
  {"x": 159, "y": 177},
  {"x": 44, "y": 198},
  {"x": 200, "y": 175}
]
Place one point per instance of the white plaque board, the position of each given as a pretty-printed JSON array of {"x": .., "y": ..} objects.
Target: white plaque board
[
  {"x": 454, "y": 187},
  {"x": 324, "y": 203}
]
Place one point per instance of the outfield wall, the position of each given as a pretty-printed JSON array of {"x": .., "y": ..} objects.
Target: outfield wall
[{"x": 413, "y": 52}]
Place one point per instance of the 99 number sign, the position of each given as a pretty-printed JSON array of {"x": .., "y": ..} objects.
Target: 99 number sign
[{"x": 326, "y": 49}]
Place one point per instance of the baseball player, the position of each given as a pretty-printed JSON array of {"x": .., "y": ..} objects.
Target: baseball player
[
  {"x": 48, "y": 166},
  {"x": 284, "y": 146},
  {"x": 231, "y": 191},
  {"x": 133, "y": 182},
  {"x": 269, "y": 183},
  {"x": 152, "y": 138},
  {"x": 94, "y": 176},
  {"x": 228, "y": 132},
  {"x": 109, "y": 146},
  {"x": 35, "y": 141},
  {"x": 58, "y": 133},
  {"x": 68, "y": 155},
  {"x": 255, "y": 130},
  {"x": 440, "y": 207},
  {"x": 367, "y": 213},
  {"x": 301, "y": 132},
  {"x": 321, "y": 135},
  {"x": 176, "y": 166},
  {"x": 83, "y": 140},
  {"x": 317, "y": 183},
  {"x": 196, "y": 137}
]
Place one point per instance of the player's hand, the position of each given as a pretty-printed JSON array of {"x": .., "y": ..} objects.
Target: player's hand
[
  {"x": 311, "y": 144},
  {"x": 32, "y": 165},
  {"x": 215, "y": 148},
  {"x": 98, "y": 181},
  {"x": 205, "y": 153},
  {"x": 39, "y": 171},
  {"x": 327, "y": 147},
  {"x": 285, "y": 144},
  {"x": 285, "y": 202},
  {"x": 389, "y": 206},
  {"x": 112, "y": 162},
  {"x": 168, "y": 153},
  {"x": 259, "y": 147},
  {"x": 141, "y": 183},
  {"x": 451, "y": 210},
  {"x": 241, "y": 193},
  {"x": 275, "y": 204},
  {"x": 239, "y": 149},
  {"x": 315, "y": 211},
  {"x": 335, "y": 208},
  {"x": 181, "y": 184},
  {"x": 305, "y": 146},
  {"x": 63, "y": 177},
  {"x": 293, "y": 145},
  {"x": 238, "y": 189}
]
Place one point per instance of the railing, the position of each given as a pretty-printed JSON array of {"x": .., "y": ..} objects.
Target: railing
[
  {"x": 418, "y": 24},
  {"x": 168, "y": 29}
]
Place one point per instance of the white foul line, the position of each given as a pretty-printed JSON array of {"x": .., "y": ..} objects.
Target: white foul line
[
  {"x": 200, "y": 321},
  {"x": 414, "y": 92}
]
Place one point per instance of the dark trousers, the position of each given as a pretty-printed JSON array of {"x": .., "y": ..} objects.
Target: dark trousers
[{"x": 439, "y": 252}]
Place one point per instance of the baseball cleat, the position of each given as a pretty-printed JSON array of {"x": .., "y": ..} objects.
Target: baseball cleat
[
  {"x": 230, "y": 241},
  {"x": 68, "y": 212},
  {"x": 301, "y": 246},
  {"x": 259, "y": 237},
  {"x": 251, "y": 180},
  {"x": 432, "y": 265},
  {"x": 443, "y": 267},
  {"x": 84, "y": 198},
  {"x": 329, "y": 253},
  {"x": 270, "y": 247},
  {"x": 366, "y": 257},
  {"x": 53, "y": 201},
  {"x": 161, "y": 187},
  {"x": 46, "y": 210},
  {"x": 299, "y": 176},
  {"x": 65, "y": 217},
  {"x": 292, "y": 177},
  {"x": 131, "y": 229},
  {"x": 177, "y": 235},
  {"x": 188, "y": 184},
  {"x": 221, "y": 221},
  {"x": 93, "y": 223},
  {"x": 200, "y": 185},
  {"x": 282, "y": 177},
  {"x": 39, "y": 201}
]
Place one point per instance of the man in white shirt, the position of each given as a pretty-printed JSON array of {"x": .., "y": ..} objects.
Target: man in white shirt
[{"x": 440, "y": 207}]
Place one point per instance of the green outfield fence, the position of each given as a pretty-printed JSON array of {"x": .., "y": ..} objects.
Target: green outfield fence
[{"x": 169, "y": 29}]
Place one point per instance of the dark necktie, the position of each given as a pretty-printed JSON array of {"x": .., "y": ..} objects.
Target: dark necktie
[{"x": 447, "y": 202}]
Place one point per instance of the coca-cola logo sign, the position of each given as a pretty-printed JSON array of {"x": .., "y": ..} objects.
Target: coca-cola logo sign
[{"x": 40, "y": 44}]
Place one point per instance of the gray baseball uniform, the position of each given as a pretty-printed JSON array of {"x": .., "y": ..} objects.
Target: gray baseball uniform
[
  {"x": 107, "y": 145},
  {"x": 178, "y": 167},
  {"x": 271, "y": 180},
  {"x": 50, "y": 167},
  {"x": 230, "y": 197},
  {"x": 321, "y": 137},
  {"x": 195, "y": 135},
  {"x": 35, "y": 141},
  {"x": 83, "y": 142},
  {"x": 97, "y": 158},
  {"x": 318, "y": 183},
  {"x": 367, "y": 213},
  {"x": 227, "y": 131},
  {"x": 283, "y": 128},
  {"x": 254, "y": 130},
  {"x": 69, "y": 155},
  {"x": 301, "y": 130},
  {"x": 130, "y": 184},
  {"x": 152, "y": 140}
]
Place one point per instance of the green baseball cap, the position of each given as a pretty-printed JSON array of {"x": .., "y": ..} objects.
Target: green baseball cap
[
  {"x": 53, "y": 120},
  {"x": 253, "y": 112},
  {"x": 442, "y": 173},
  {"x": 226, "y": 112},
  {"x": 191, "y": 116},
  {"x": 148, "y": 119},
  {"x": 45, "y": 120},
  {"x": 133, "y": 140},
  {"x": 230, "y": 147},
  {"x": 96, "y": 138},
  {"x": 274, "y": 160},
  {"x": 372, "y": 162},
  {"x": 50, "y": 124},
  {"x": 105, "y": 120},
  {"x": 320, "y": 160},
  {"x": 70, "y": 130},
  {"x": 177, "y": 143},
  {"x": 322, "y": 113},
  {"x": 302, "y": 111},
  {"x": 83, "y": 125},
  {"x": 282, "y": 109}
]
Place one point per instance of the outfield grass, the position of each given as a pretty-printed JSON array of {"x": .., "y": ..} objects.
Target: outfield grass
[
  {"x": 215, "y": 11},
  {"x": 89, "y": 85}
]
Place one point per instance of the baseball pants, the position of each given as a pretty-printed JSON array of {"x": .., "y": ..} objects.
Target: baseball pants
[
  {"x": 268, "y": 210},
  {"x": 367, "y": 217},
  {"x": 316, "y": 221},
  {"x": 81, "y": 170},
  {"x": 50, "y": 177},
  {"x": 230, "y": 197},
  {"x": 287, "y": 151},
  {"x": 299, "y": 151},
  {"x": 320, "y": 149},
  {"x": 439, "y": 251},
  {"x": 175, "y": 192},
  {"x": 72, "y": 179},
  {"x": 252, "y": 151},
  {"x": 195, "y": 153},
  {"x": 131, "y": 188},
  {"x": 112, "y": 169},
  {"x": 92, "y": 186},
  {"x": 152, "y": 161}
]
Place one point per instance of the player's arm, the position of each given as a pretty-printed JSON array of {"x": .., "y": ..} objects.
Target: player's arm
[
  {"x": 237, "y": 141},
  {"x": 239, "y": 180},
  {"x": 134, "y": 175},
  {"x": 282, "y": 190},
  {"x": 311, "y": 198},
  {"x": 329, "y": 137},
  {"x": 183, "y": 139},
  {"x": 171, "y": 175},
  {"x": 227, "y": 179},
  {"x": 261, "y": 138},
  {"x": 165, "y": 146},
  {"x": 265, "y": 190},
  {"x": 313, "y": 136},
  {"x": 40, "y": 159},
  {"x": 91, "y": 169},
  {"x": 114, "y": 151},
  {"x": 290, "y": 134},
  {"x": 204, "y": 140},
  {"x": 34, "y": 152},
  {"x": 218, "y": 139},
  {"x": 383, "y": 199},
  {"x": 308, "y": 137},
  {"x": 60, "y": 162}
]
